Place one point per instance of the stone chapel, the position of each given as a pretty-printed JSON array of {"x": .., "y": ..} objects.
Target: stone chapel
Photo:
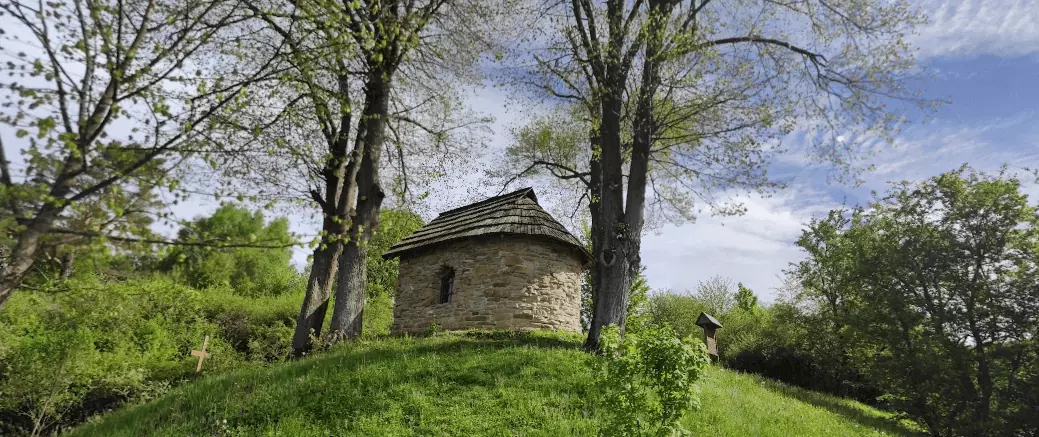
[{"x": 501, "y": 263}]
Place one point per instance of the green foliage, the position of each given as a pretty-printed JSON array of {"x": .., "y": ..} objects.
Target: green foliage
[
  {"x": 97, "y": 147},
  {"x": 678, "y": 311},
  {"x": 932, "y": 293},
  {"x": 259, "y": 329},
  {"x": 746, "y": 300},
  {"x": 637, "y": 314},
  {"x": 91, "y": 345},
  {"x": 250, "y": 271},
  {"x": 394, "y": 225},
  {"x": 476, "y": 384},
  {"x": 647, "y": 380}
]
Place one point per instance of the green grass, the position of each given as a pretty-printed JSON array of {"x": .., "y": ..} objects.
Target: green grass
[{"x": 498, "y": 385}]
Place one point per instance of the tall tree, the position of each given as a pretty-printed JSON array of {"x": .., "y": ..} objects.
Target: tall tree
[
  {"x": 689, "y": 99},
  {"x": 104, "y": 96},
  {"x": 938, "y": 293},
  {"x": 746, "y": 300},
  {"x": 371, "y": 73}
]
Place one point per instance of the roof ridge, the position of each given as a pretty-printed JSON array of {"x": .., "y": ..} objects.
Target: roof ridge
[
  {"x": 517, "y": 212},
  {"x": 463, "y": 220},
  {"x": 522, "y": 192}
]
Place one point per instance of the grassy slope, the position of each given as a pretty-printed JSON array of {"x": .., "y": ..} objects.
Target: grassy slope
[{"x": 462, "y": 386}]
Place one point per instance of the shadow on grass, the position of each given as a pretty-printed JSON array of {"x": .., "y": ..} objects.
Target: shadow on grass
[{"x": 841, "y": 407}]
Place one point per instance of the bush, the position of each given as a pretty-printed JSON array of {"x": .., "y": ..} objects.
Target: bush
[
  {"x": 647, "y": 380},
  {"x": 89, "y": 346},
  {"x": 796, "y": 367},
  {"x": 678, "y": 311},
  {"x": 259, "y": 329},
  {"x": 774, "y": 342}
]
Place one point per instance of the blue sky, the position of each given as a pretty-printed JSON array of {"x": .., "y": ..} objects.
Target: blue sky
[{"x": 985, "y": 56}]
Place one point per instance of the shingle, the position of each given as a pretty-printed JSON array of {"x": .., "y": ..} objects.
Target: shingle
[{"x": 516, "y": 213}]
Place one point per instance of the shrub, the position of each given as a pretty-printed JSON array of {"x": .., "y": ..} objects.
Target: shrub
[
  {"x": 678, "y": 311},
  {"x": 260, "y": 329},
  {"x": 89, "y": 346},
  {"x": 647, "y": 380}
]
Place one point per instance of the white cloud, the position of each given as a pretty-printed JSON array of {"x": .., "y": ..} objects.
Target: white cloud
[
  {"x": 966, "y": 28},
  {"x": 927, "y": 150},
  {"x": 756, "y": 247},
  {"x": 753, "y": 248}
]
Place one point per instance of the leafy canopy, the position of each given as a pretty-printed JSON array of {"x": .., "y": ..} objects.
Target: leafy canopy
[{"x": 265, "y": 270}]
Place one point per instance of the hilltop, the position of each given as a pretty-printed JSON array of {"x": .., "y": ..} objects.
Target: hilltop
[{"x": 463, "y": 385}]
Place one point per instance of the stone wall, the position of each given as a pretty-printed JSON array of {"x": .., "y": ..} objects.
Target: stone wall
[{"x": 512, "y": 282}]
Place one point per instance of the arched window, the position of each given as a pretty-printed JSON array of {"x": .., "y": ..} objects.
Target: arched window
[{"x": 447, "y": 284}]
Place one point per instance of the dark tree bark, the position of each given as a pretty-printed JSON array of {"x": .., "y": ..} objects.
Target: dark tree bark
[
  {"x": 339, "y": 173},
  {"x": 618, "y": 218},
  {"x": 68, "y": 265},
  {"x": 351, "y": 288},
  {"x": 315, "y": 301},
  {"x": 23, "y": 255}
]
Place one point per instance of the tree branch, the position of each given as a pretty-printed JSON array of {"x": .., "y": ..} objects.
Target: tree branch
[
  {"x": 210, "y": 243},
  {"x": 6, "y": 180}
]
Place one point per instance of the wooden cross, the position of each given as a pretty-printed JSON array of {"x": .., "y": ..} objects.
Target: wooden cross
[{"x": 202, "y": 354}]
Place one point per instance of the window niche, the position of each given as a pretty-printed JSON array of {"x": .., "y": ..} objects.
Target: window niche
[{"x": 447, "y": 284}]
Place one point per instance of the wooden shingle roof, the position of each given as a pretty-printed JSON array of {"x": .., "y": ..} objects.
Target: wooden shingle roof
[{"x": 516, "y": 213}]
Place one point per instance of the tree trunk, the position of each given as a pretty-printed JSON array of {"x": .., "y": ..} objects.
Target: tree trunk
[
  {"x": 319, "y": 288},
  {"x": 612, "y": 280},
  {"x": 23, "y": 255},
  {"x": 613, "y": 283},
  {"x": 351, "y": 289},
  {"x": 68, "y": 265}
]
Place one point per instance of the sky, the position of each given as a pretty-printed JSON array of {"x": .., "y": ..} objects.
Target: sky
[
  {"x": 985, "y": 58},
  {"x": 984, "y": 55}
]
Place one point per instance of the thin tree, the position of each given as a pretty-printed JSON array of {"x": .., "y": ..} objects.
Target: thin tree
[{"x": 100, "y": 94}]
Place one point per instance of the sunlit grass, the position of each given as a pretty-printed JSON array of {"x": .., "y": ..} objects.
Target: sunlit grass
[{"x": 451, "y": 385}]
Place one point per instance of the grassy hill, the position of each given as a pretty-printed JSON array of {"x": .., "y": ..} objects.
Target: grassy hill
[{"x": 532, "y": 385}]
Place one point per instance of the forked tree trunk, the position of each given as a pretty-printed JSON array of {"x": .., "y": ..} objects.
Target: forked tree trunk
[
  {"x": 339, "y": 174},
  {"x": 351, "y": 289},
  {"x": 319, "y": 289},
  {"x": 617, "y": 219}
]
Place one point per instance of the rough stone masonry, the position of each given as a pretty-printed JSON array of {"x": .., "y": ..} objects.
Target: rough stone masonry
[{"x": 513, "y": 282}]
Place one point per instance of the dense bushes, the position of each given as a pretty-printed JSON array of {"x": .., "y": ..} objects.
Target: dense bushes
[
  {"x": 773, "y": 341},
  {"x": 85, "y": 347},
  {"x": 249, "y": 271},
  {"x": 76, "y": 346}
]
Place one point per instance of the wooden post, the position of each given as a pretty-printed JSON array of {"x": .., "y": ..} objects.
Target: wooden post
[
  {"x": 710, "y": 327},
  {"x": 202, "y": 354}
]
